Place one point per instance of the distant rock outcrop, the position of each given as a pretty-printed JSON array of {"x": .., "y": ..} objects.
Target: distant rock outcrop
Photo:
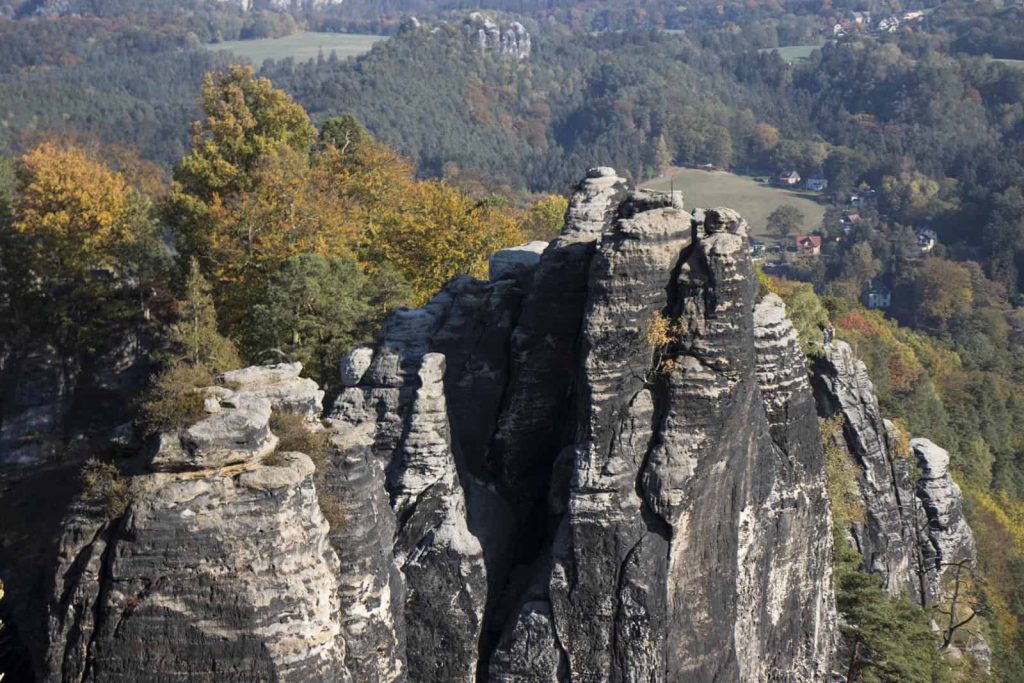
[
  {"x": 914, "y": 527},
  {"x": 512, "y": 40}
]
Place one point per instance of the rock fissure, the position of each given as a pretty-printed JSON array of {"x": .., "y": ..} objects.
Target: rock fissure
[{"x": 518, "y": 489}]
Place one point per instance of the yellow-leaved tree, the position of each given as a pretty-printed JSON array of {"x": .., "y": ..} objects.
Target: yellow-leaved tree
[
  {"x": 432, "y": 232},
  {"x": 78, "y": 214},
  {"x": 91, "y": 244},
  {"x": 261, "y": 187}
]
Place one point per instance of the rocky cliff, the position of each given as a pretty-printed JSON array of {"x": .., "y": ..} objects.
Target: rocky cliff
[
  {"x": 219, "y": 569},
  {"x": 913, "y": 528},
  {"x": 603, "y": 464},
  {"x": 512, "y": 40}
]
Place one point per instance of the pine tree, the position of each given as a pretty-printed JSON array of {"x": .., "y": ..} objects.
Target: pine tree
[
  {"x": 662, "y": 155},
  {"x": 195, "y": 337}
]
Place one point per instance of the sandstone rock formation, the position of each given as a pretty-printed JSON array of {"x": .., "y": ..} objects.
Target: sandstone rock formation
[
  {"x": 940, "y": 515},
  {"x": 616, "y": 511},
  {"x": 914, "y": 527},
  {"x": 219, "y": 569},
  {"x": 603, "y": 464},
  {"x": 512, "y": 41}
]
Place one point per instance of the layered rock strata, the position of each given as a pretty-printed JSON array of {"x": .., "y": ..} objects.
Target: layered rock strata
[
  {"x": 913, "y": 529},
  {"x": 603, "y": 464},
  {"x": 219, "y": 568},
  {"x": 632, "y": 511}
]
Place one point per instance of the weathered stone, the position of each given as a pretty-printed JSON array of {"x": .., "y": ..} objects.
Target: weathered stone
[
  {"x": 949, "y": 538},
  {"x": 523, "y": 484},
  {"x": 233, "y": 434},
  {"x": 224, "y": 574},
  {"x": 914, "y": 528},
  {"x": 683, "y": 531},
  {"x": 513, "y": 260},
  {"x": 513, "y": 41},
  {"x": 354, "y": 365},
  {"x": 279, "y": 384},
  {"x": 884, "y": 539}
]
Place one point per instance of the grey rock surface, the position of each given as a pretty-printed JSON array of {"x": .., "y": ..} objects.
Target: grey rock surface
[
  {"x": 940, "y": 515},
  {"x": 512, "y": 41},
  {"x": 514, "y": 259},
  {"x": 885, "y": 539},
  {"x": 226, "y": 574},
  {"x": 612, "y": 511},
  {"x": 221, "y": 569},
  {"x": 522, "y": 484},
  {"x": 914, "y": 528}
]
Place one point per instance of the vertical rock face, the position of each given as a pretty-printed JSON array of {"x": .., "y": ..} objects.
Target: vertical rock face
[
  {"x": 946, "y": 539},
  {"x": 601, "y": 465},
  {"x": 589, "y": 506},
  {"x": 219, "y": 569},
  {"x": 511, "y": 41},
  {"x": 844, "y": 388},
  {"x": 56, "y": 411},
  {"x": 914, "y": 528}
]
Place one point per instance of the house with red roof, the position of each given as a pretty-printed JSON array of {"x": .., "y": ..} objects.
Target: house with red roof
[{"x": 809, "y": 245}]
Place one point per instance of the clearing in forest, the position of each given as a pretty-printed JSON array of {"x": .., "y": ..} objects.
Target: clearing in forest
[
  {"x": 302, "y": 46},
  {"x": 753, "y": 199}
]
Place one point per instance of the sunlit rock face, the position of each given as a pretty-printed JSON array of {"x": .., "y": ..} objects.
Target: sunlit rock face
[
  {"x": 219, "y": 568},
  {"x": 589, "y": 505},
  {"x": 602, "y": 464},
  {"x": 914, "y": 529}
]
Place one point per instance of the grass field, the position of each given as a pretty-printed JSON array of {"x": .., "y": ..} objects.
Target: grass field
[
  {"x": 300, "y": 46},
  {"x": 792, "y": 53},
  {"x": 752, "y": 199}
]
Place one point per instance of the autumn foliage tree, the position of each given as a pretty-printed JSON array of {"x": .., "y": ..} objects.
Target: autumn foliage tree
[
  {"x": 78, "y": 213},
  {"x": 262, "y": 187},
  {"x": 545, "y": 217},
  {"x": 90, "y": 242}
]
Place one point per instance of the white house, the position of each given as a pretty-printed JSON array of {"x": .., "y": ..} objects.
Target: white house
[
  {"x": 878, "y": 296},
  {"x": 888, "y": 25},
  {"x": 926, "y": 240},
  {"x": 791, "y": 178},
  {"x": 816, "y": 184}
]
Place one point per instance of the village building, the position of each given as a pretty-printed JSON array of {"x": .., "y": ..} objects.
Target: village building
[
  {"x": 878, "y": 296},
  {"x": 808, "y": 245},
  {"x": 926, "y": 240},
  {"x": 788, "y": 178},
  {"x": 888, "y": 25},
  {"x": 816, "y": 183}
]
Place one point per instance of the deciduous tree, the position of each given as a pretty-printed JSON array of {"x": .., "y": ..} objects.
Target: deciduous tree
[{"x": 786, "y": 220}]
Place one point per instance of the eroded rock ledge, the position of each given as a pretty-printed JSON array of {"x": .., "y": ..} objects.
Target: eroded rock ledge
[{"x": 220, "y": 568}]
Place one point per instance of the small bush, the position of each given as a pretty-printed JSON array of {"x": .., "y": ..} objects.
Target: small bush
[
  {"x": 295, "y": 435},
  {"x": 841, "y": 475},
  {"x": 102, "y": 480},
  {"x": 660, "y": 334},
  {"x": 331, "y": 508},
  {"x": 174, "y": 402}
]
